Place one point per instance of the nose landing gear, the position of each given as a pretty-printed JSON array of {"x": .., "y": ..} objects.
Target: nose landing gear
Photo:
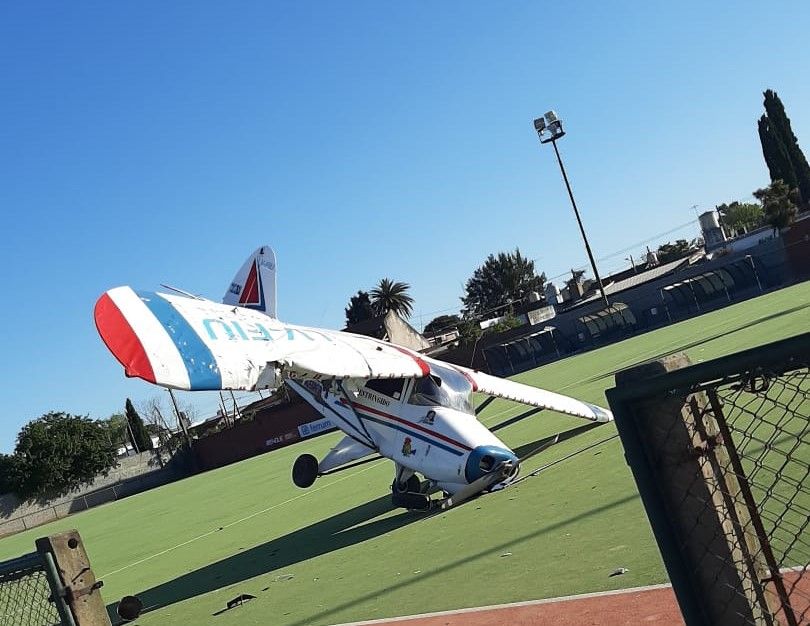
[{"x": 410, "y": 493}]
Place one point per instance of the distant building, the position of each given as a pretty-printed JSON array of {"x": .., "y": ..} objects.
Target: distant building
[
  {"x": 713, "y": 235},
  {"x": 390, "y": 327}
]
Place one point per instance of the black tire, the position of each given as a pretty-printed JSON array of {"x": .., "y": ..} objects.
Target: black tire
[
  {"x": 305, "y": 471},
  {"x": 411, "y": 501},
  {"x": 412, "y": 485}
]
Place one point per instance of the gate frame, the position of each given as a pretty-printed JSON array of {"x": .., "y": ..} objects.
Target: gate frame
[{"x": 662, "y": 380}]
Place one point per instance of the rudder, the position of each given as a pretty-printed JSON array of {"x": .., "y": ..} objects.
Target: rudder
[{"x": 254, "y": 286}]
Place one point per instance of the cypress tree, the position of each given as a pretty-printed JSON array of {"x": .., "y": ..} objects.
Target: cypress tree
[
  {"x": 775, "y": 153},
  {"x": 781, "y": 150},
  {"x": 138, "y": 434}
]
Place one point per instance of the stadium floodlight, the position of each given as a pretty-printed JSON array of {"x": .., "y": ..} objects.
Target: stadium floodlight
[{"x": 549, "y": 129}]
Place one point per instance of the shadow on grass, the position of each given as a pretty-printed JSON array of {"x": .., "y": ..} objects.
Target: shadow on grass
[
  {"x": 528, "y": 450},
  {"x": 323, "y": 616},
  {"x": 339, "y": 531}
]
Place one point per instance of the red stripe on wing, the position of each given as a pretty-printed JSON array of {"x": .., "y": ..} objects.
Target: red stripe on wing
[
  {"x": 466, "y": 375},
  {"x": 121, "y": 340},
  {"x": 419, "y": 361}
]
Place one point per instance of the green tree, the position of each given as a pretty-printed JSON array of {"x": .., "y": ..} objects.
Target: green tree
[
  {"x": 673, "y": 251},
  {"x": 779, "y": 203},
  {"x": 443, "y": 322},
  {"x": 140, "y": 438},
  {"x": 57, "y": 453},
  {"x": 469, "y": 331},
  {"x": 501, "y": 281},
  {"x": 507, "y": 323},
  {"x": 740, "y": 217},
  {"x": 359, "y": 308},
  {"x": 392, "y": 296},
  {"x": 117, "y": 429},
  {"x": 9, "y": 473},
  {"x": 783, "y": 156}
]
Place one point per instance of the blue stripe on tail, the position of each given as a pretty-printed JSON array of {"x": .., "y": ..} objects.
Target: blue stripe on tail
[{"x": 202, "y": 368}]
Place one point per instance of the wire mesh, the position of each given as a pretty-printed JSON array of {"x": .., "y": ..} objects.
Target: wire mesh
[
  {"x": 747, "y": 540},
  {"x": 25, "y": 595}
]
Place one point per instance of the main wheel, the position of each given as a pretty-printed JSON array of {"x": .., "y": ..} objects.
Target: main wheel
[{"x": 305, "y": 471}]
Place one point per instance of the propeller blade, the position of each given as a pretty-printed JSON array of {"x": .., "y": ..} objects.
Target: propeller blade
[{"x": 465, "y": 493}]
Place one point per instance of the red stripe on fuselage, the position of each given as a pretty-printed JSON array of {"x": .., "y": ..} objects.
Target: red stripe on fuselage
[
  {"x": 419, "y": 361},
  {"x": 418, "y": 427},
  {"x": 121, "y": 340}
]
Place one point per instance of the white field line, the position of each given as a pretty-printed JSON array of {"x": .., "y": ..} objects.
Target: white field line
[
  {"x": 510, "y": 605},
  {"x": 239, "y": 521}
]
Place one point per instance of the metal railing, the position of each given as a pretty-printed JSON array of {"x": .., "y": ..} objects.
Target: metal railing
[{"x": 721, "y": 454}]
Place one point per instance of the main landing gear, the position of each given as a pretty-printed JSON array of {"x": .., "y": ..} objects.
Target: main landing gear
[
  {"x": 407, "y": 491},
  {"x": 305, "y": 471}
]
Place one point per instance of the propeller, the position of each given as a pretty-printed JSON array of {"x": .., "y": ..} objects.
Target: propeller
[{"x": 498, "y": 474}]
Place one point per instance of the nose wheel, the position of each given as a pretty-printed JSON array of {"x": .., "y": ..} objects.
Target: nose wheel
[{"x": 408, "y": 494}]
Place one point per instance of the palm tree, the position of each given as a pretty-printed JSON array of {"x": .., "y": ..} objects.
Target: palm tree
[{"x": 391, "y": 296}]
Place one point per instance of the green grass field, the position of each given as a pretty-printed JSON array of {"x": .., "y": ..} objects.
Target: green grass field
[{"x": 338, "y": 552}]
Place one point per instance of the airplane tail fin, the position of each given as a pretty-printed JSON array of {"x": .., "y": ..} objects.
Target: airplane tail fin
[{"x": 254, "y": 286}]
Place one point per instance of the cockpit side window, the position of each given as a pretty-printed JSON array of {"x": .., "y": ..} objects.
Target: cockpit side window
[
  {"x": 443, "y": 387},
  {"x": 427, "y": 391},
  {"x": 391, "y": 387}
]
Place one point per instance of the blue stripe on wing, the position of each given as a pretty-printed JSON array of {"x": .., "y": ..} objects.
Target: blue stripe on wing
[{"x": 202, "y": 368}]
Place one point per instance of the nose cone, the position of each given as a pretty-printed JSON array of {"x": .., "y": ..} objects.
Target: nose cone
[{"x": 484, "y": 459}]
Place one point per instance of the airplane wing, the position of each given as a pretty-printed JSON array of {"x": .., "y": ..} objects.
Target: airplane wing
[
  {"x": 534, "y": 396},
  {"x": 192, "y": 344}
]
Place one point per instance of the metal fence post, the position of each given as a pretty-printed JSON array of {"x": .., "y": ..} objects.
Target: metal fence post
[
  {"x": 680, "y": 493},
  {"x": 77, "y": 577}
]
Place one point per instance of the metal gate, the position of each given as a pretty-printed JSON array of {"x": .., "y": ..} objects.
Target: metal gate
[{"x": 721, "y": 454}]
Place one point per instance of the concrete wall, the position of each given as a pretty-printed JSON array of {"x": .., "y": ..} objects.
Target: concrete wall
[
  {"x": 272, "y": 428},
  {"x": 133, "y": 475}
]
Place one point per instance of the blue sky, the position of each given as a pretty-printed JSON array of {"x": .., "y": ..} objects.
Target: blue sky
[{"x": 162, "y": 142}]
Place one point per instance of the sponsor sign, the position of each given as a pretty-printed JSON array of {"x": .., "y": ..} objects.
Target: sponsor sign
[
  {"x": 315, "y": 428},
  {"x": 541, "y": 315}
]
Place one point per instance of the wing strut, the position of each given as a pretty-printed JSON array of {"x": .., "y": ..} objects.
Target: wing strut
[{"x": 356, "y": 414}]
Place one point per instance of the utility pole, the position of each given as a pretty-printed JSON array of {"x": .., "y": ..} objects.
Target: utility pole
[{"x": 180, "y": 418}]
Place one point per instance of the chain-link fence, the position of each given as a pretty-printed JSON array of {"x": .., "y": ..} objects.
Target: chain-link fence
[
  {"x": 25, "y": 593},
  {"x": 721, "y": 454}
]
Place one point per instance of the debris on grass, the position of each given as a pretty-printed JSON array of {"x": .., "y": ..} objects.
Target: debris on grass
[{"x": 235, "y": 602}]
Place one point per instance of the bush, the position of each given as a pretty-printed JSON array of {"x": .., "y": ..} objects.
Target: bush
[{"x": 55, "y": 454}]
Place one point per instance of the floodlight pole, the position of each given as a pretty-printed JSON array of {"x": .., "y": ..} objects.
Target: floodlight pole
[
  {"x": 581, "y": 227},
  {"x": 552, "y": 125}
]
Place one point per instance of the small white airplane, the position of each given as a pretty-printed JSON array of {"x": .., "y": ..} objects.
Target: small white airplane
[{"x": 388, "y": 400}]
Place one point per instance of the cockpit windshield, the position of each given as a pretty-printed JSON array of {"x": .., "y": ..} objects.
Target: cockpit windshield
[{"x": 443, "y": 387}]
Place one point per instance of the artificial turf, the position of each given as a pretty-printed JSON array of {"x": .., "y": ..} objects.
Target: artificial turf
[{"x": 339, "y": 552}]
